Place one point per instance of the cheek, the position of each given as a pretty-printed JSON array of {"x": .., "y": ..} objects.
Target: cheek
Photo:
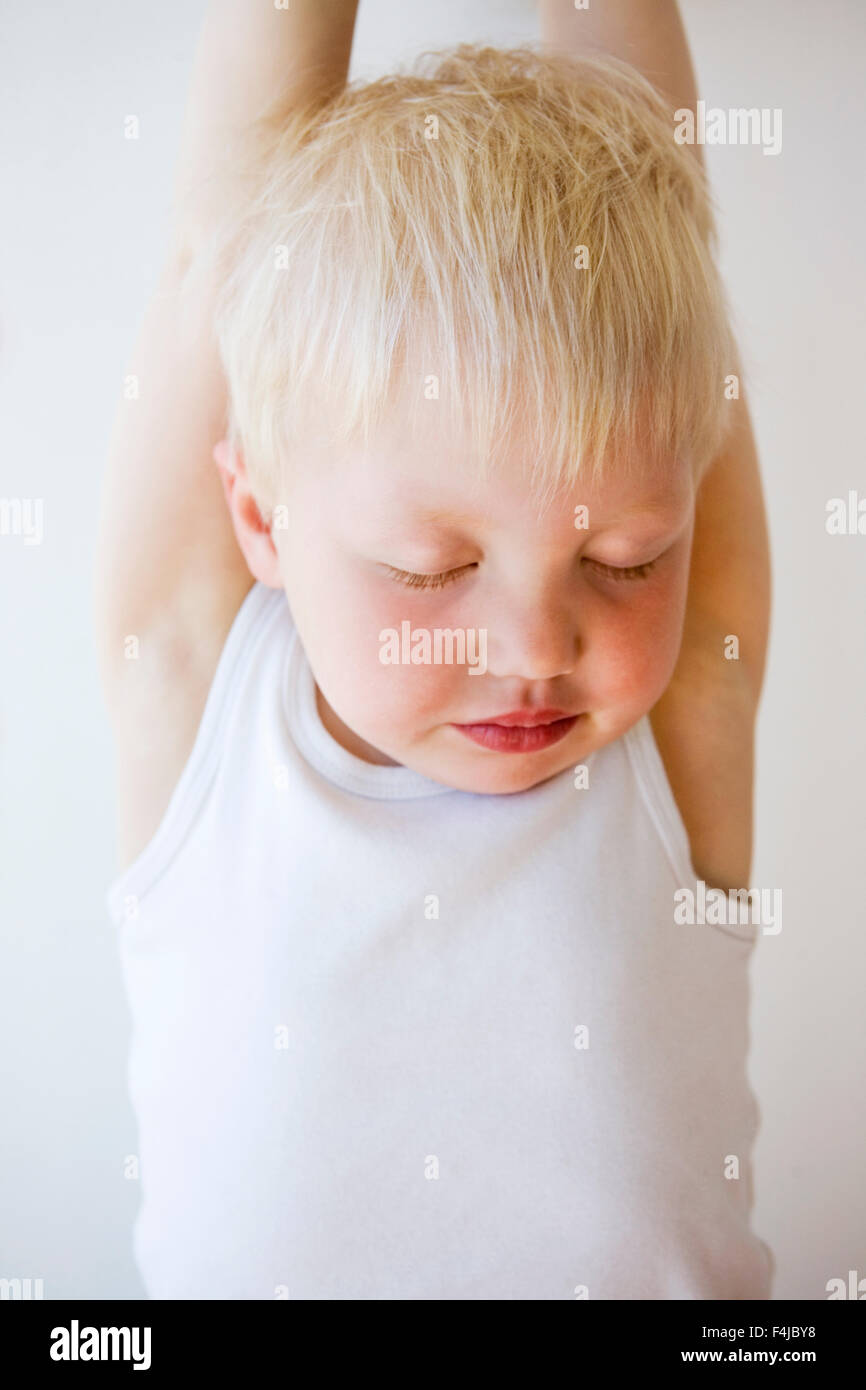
[
  {"x": 341, "y": 620},
  {"x": 403, "y": 695},
  {"x": 634, "y": 647}
]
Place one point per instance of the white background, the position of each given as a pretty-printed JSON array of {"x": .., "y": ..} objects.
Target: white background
[{"x": 84, "y": 230}]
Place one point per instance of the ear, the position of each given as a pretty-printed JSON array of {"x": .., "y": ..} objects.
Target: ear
[{"x": 252, "y": 531}]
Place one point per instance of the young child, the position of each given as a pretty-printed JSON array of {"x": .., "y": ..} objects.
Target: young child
[{"x": 413, "y": 1017}]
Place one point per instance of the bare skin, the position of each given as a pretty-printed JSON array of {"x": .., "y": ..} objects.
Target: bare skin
[{"x": 181, "y": 539}]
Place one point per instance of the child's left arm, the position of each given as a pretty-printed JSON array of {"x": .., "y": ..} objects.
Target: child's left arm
[{"x": 705, "y": 721}]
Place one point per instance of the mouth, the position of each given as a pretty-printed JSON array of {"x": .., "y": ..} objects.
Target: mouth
[{"x": 521, "y": 731}]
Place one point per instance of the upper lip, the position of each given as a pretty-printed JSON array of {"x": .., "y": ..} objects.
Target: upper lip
[{"x": 528, "y": 718}]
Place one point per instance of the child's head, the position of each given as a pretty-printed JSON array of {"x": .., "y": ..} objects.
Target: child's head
[{"x": 471, "y": 327}]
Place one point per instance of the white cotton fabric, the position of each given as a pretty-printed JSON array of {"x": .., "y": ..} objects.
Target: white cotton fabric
[{"x": 342, "y": 1096}]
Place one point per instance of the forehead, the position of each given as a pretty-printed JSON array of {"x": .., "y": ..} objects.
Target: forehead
[{"x": 427, "y": 481}]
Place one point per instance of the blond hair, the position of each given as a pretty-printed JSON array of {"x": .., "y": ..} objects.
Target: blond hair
[{"x": 428, "y": 225}]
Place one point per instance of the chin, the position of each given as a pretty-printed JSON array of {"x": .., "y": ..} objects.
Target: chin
[
  {"x": 498, "y": 774},
  {"x": 510, "y": 781}
]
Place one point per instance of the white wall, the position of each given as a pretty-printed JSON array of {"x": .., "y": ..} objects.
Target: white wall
[{"x": 85, "y": 226}]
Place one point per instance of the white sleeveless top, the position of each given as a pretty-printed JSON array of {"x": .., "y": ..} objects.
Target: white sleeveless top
[{"x": 396, "y": 1041}]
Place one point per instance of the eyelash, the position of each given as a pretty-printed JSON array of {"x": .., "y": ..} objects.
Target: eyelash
[
  {"x": 438, "y": 581},
  {"x": 427, "y": 581},
  {"x": 630, "y": 572}
]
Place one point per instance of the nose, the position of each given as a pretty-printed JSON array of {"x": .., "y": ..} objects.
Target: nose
[{"x": 536, "y": 640}]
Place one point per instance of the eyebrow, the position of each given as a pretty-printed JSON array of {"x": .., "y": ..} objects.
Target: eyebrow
[
  {"x": 668, "y": 514},
  {"x": 437, "y": 517}
]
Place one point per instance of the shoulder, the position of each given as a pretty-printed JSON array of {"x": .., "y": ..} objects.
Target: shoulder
[
  {"x": 155, "y": 686},
  {"x": 704, "y": 727}
]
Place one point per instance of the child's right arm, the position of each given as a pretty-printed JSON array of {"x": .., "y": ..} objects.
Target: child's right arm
[{"x": 169, "y": 571}]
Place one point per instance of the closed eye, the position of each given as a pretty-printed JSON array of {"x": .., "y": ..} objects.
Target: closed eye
[
  {"x": 617, "y": 572},
  {"x": 427, "y": 581}
]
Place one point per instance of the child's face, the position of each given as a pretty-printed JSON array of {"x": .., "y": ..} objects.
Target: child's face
[{"x": 562, "y": 633}]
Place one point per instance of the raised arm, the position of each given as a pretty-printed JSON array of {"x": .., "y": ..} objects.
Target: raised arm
[
  {"x": 249, "y": 55},
  {"x": 168, "y": 568},
  {"x": 649, "y": 34},
  {"x": 705, "y": 722},
  {"x": 168, "y": 562}
]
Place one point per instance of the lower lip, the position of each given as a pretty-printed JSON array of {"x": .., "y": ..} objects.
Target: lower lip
[{"x": 517, "y": 739}]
